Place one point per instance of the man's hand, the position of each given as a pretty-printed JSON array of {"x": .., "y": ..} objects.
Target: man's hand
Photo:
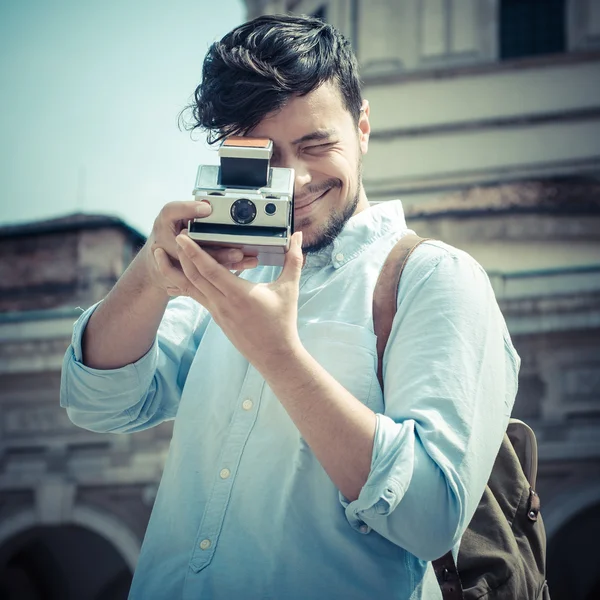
[
  {"x": 172, "y": 219},
  {"x": 260, "y": 319}
]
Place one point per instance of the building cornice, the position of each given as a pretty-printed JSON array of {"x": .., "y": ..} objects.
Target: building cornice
[
  {"x": 445, "y": 183},
  {"x": 522, "y": 120},
  {"x": 482, "y": 69}
]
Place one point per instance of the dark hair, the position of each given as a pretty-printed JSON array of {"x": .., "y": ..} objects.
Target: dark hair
[{"x": 257, "y": 67}]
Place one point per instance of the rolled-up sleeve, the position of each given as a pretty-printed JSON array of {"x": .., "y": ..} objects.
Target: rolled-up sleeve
[
  {"x": 141, "y": 394},
  {"x": 450, "y": 380}
]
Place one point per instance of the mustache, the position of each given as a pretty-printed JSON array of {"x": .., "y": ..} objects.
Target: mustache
[{"x": 311, "y": 191}]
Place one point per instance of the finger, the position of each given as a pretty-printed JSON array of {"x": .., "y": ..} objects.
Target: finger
[
  {"x": 172, "y": 219},
  {"x": 174, "y": 212},
  {"x": 224, "y": 256},
  {"x": 166, "y": 268},
  {"x": 206, "y": 266},
  {"x": 180, "y": 284},
  {"x": 175, "y": 217},
  {"x": 292, "y": 266},
  {"x": 197, "y": 279},
  {"x": 249, "y": 262},
  {"x": 230, "y": 258}
]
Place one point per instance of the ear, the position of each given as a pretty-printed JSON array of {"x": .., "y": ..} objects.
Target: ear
[{"x": 364, "y": 127}]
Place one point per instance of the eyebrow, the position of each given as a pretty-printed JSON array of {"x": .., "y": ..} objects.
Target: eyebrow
[{"x": 319, "y": 135}]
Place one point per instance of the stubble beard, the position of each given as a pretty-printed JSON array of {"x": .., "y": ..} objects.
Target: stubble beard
[{"x": 328, "y": 231}]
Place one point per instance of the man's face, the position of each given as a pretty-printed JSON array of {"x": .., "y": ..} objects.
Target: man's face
[{"x": 317, "y": 137}]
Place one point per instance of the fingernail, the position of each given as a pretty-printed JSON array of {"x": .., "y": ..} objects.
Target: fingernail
[
  {"x": 299, "y": 240},
  {"x": 235, "y": 255},
  {"x": 203, "y": 208}
]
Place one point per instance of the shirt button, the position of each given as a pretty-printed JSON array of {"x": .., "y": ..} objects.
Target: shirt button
[
  {"x": 339, "y": 257},
  {"x": 225, "y": 473},
  {"x": 205, "y": 544},
  {"x": 364, "y": 529},
  {"x": 247, "y": 404}
]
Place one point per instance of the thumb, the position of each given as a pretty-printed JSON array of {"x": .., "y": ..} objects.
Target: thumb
[{"x": 293, "y": 260}]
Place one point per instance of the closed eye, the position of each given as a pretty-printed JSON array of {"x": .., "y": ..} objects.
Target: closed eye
[{"x": 319, "y": 147}]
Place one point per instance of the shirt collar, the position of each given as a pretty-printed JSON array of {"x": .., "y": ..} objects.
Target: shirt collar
[{"x": 358, "y": 233}]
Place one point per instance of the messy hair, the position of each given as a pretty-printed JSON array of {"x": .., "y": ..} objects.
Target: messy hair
[{"x": 256, "y": 68}]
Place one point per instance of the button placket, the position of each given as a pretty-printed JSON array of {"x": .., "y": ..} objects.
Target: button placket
[{"x": 242, "y": 423}]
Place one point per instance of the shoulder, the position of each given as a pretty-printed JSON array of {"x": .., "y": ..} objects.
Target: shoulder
[
  {"x": 444, "y": 288},
  {"x": 441, "y": 268},
  {"x": 441, "y": 282}
]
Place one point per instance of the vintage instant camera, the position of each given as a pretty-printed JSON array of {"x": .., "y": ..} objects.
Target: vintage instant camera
[{"x": 252, "y": 202}]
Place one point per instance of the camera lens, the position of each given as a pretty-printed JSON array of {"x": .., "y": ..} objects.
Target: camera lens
[
  {"x": 270, "y": 208},
  {"x": 243, "y": 211}
]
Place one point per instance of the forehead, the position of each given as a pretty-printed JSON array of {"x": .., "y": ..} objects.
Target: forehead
[{"x": 321, "y": 109}]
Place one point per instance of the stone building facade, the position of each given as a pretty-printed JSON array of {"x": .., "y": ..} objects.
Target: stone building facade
[
  {"x": 73, "y": 504},
  {"x": 486, "y": 123}
]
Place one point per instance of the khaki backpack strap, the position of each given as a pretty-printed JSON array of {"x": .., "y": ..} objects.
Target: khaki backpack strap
[
  {"x": 385, "y": 296},
  {"x": 385, "y": 301}
]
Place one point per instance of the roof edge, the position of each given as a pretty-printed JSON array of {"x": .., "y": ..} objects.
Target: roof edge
[{"x": 70, "y": 222}]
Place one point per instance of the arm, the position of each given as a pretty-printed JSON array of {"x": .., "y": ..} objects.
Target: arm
[
  {"x": 450, "y": 375},
  {"x": 450, "y": 379},
  {"x": 128, "y": 359},
  {"x": 138, "y": 395},
  {"x": 415, "y": 474},
  {"x": 124, "y": 326},
  {"x": 261, "y": 321},
  {"x": 339, "y": 429}
]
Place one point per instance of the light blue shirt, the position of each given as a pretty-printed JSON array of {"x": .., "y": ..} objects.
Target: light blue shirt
[{"x": 244, "y": 509}]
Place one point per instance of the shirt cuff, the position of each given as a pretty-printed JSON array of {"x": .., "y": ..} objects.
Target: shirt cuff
[
  {"x": 78, "y": 329},
  {"x": 80, "y": 382},
  {"x": 391, "y": 471}
]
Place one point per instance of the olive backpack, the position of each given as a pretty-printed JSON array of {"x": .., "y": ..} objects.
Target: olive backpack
[{"x": 502, "y": 553}]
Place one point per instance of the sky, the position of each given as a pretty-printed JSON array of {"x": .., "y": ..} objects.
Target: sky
[{"x": 90, "y": 97}]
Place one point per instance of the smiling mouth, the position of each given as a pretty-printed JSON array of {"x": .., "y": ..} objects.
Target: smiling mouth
[{"x": 312, "y": 201}]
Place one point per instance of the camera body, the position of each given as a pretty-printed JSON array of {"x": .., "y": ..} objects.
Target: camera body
[{"x": 252, "y": 202}]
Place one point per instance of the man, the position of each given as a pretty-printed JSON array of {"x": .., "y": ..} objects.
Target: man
[{"x": 290, "y": 475}]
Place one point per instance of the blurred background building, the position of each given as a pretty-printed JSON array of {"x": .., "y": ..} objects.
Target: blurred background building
[{"x": 486, "y": 123}]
